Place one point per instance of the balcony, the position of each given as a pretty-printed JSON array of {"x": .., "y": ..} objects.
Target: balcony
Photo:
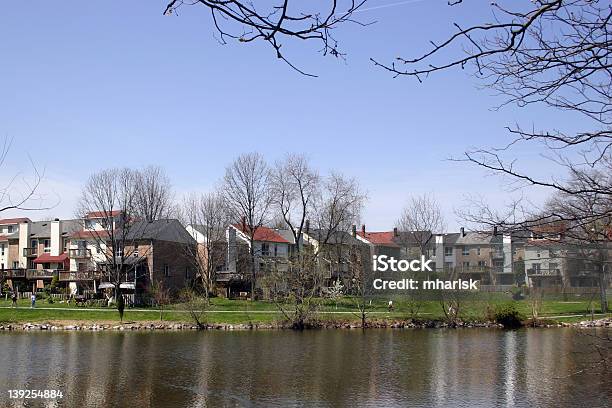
[
  {"x": 473, "y": 269},
  {"x": 496, "y": 254},
  {"x": 74, "y": 276},
  {"x": 226, "y": 276},
  {"x": 40, "y": 273},
  {"x": 543, "y": 272},
  {"x": 14, "y": 273},
  {"x": 30, "y": 252},
  {"x": 80, "y": 253}
]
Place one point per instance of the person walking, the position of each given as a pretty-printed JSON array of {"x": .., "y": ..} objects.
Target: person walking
[
  {"x": 390, "y": 305},
  {"x": 33, "y": 299},
  {"x": 14, "y": 299}
]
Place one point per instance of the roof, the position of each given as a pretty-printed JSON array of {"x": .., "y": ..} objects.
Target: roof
[
  {"x": 409, "y": 238},
  {"x": 474, "y": 238},
  {"x": 384, "y": 238},
  {"x": 287, "y": 234},
  {"x": 48, "y": 258},
  {"x": 161, "y": 230},
  {"x": 11, "y": 221},
  {"x": 218, "y": 233},
  {"x": 335, "y": 237},
  {"x": 102, "y": 214},
  {"x": 264, "y": 234},
  {"x": 87, "y": 234}
]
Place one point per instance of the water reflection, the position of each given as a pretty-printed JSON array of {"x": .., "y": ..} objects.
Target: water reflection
[{"x": 419, "y": 368}]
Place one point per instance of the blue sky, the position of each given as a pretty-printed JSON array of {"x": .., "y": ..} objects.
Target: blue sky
[{"x": 91, "y": 85}]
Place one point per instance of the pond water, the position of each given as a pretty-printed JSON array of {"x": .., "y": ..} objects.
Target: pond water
[{"x": 323, "y": 368}]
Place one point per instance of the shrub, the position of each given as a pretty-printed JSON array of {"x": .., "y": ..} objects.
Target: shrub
[{"x": 508, "y": 316}]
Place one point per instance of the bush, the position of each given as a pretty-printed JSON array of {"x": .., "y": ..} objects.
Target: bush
[
  {"x": 50, "y": 300},
  {"x": 508, "y": 316}
]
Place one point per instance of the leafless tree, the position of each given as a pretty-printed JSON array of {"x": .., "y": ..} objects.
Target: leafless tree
[
  {"x": 112, "y": 196},
  {"x": 277, "y": 22},
  {"x": 551, "y": 52},
  {"x": 295, "y": 187},
  {"x": 161, "y": 296},
  {"x": 324, "y": 209},
  {"x": 154, "y": 193},
  {"x": 420, "y": 219},
  {"x": 17, "y": 192},
  {"x": 208, "y": 215},
  {"x": 246, "y": 190},
  {"x": 588, "y": 227}
]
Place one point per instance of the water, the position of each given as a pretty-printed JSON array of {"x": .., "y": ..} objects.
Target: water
[{"x": 378, "y": 368}]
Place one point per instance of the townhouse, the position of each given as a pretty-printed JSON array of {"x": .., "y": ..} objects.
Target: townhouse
[{"x": 78, "y": 253}]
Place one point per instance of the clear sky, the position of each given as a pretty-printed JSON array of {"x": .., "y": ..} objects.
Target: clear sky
[{"x": 86, "y": 85}]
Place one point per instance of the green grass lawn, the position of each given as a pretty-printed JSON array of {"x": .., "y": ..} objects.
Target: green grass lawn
[{"x": 245, "y": 311}]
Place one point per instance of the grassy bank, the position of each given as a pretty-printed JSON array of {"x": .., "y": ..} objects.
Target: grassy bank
[{"x": 244, "y": 311}]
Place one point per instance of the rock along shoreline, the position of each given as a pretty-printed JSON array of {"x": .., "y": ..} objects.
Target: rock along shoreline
[{"x": 173, "y": 326}]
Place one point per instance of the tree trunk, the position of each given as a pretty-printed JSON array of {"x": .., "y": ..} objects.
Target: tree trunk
[
  {"x": 252, "y": 250},
  {"x": 602, "y": 290}
]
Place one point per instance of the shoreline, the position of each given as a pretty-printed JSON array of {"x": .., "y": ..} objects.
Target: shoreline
[{"x": 82, "y": 326}]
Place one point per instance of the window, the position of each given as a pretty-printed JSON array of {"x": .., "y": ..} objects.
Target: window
[
  {"x": 34, "y": 246},
  {"x": 536, "y": 268},
  {"x": 47, "y": 246},
  {"x": 466, "y": 265},
  {"x": 15, "y": 264},
  {"x": 265, "y": 249},
  {"x": 10, "y": 229},
  {"x": 166, "y": 270},
  {"x": 448, "y": 265},
  {"x": 478, "y": 251},
  {"x": 448, "y": 251},
  {"x": 482, "y": 263},
  {"x": 119, "y": 253},
  {"x": 433, "y": 251},
  {"x": 465, "y": 251},
  {"x": 2, "y": 250},
  {"x": 88, "y": 224},
  {"x": 275, "y": 250}
]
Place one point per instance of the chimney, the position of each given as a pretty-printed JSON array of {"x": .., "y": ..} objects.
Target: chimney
[
  {"x": 462, "y": 232},
  {"x": 354, "y": 230},
  {"x": 395, "y": 234},
  {"x": 494, "y": 231},
  {"x": 307, "y": 226},
  {"x": 363, "y": 229}
]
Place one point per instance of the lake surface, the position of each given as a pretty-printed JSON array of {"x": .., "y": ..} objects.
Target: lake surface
[{"x": 323, "y": 368}]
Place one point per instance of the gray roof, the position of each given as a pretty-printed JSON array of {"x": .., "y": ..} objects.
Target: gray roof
[
  {"x": 474, "y": 238},
  {"x": 286, "y": 234},
  {"x": 219, "y": 233},
  {"x": 408, "y": 238},
  {"x": 160, "y": 230},
  {"x": 335, "y": 237}
]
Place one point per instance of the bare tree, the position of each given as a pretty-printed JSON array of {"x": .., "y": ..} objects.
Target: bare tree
[
  {"x": 295, "y": 187},
  {"x": 246, "y": 190},
  {"x": 112, "y": 198},
  {"x": 208, "y": 215},
  {"x": 420, "y": 219},
  {"x": 550, "y": 52},
  {"x": 588, "y": 230},
  {"x": 153, "y": 193},
  {"x": 19, "y": 193},
  {"x": 277, "y": 22},
  {"x": 161, "y": 296}
]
